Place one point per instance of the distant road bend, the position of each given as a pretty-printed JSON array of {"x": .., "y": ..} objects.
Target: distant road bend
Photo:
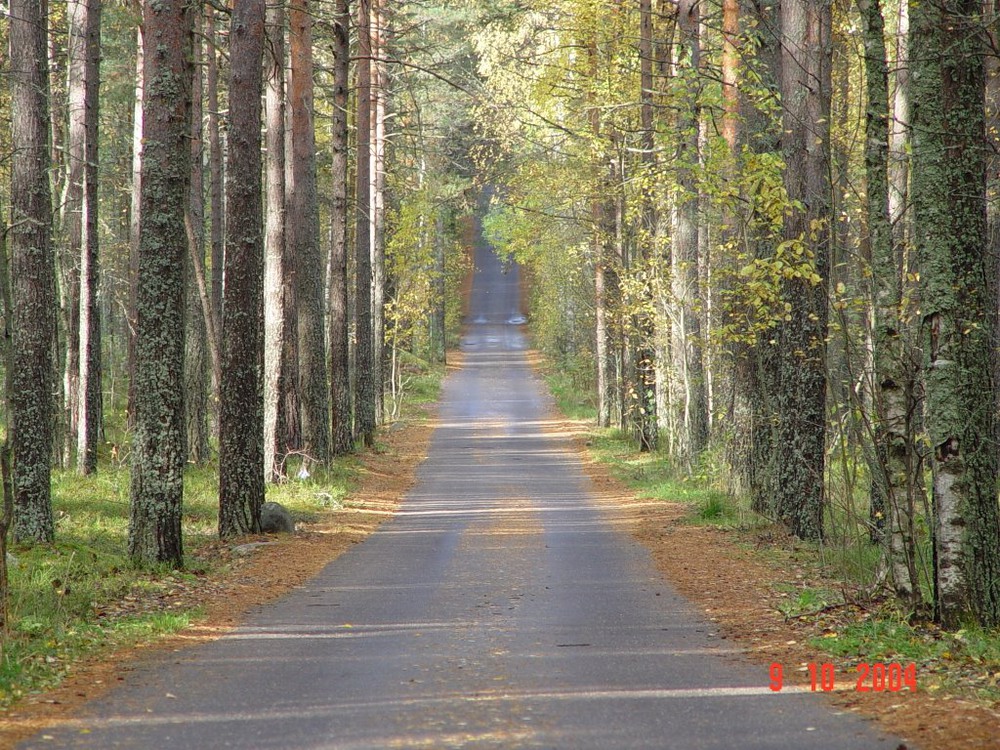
[{"x": 500, "y": 608}]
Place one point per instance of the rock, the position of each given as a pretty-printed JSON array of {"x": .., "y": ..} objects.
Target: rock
[
  {"x": 11, "y": 561},
  {"x": 275, "y": 519}
]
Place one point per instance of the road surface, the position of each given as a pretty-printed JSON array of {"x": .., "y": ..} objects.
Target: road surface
[{"x": 501, "y": 608}]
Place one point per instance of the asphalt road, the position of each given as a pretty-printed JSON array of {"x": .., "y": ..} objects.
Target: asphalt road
[{"x": 500, "y": 609}]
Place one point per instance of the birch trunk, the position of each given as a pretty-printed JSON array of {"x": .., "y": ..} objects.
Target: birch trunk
[{"x": 274, "y": 246}]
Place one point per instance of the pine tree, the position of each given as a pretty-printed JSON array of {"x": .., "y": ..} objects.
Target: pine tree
[
  {"x": 159, "y": 442},
  {"x": 241, "y": 427},
  {"x": 32, "y": 274}
]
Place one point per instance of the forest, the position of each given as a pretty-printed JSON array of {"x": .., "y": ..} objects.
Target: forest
[{"x": 761, "y": 238}]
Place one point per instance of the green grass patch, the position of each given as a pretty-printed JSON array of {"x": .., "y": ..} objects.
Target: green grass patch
[
  {"x": 573, "y": 399},
  {"x": 81, "y": 596},
  {"x": 966, "y": 662},
  {"x": 66, "y": 599}
]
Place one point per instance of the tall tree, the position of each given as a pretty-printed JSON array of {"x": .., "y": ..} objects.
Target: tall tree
[
  {"x": 646, "y": 385},
  {"x": 6, "y": 483},
  {"x": 303, "y": 226},
  {"x": 241, "y": 427},
  {"x": 216, "y": 177},
  {"x": 82, "y": 210},
  {"x": 340, "y": 384},
  {"x": 365, "y": 401},
  {"x": 801, "y": 338},
  {"x": 135, "y": 210},
  {"x": 274, "y": 246},
  {"x": 379, "y": 104},
  {"x": 198, "y": 306},
  {"x": 893, "y": 382},
  {"x": 72, "y": 219},
  {"x": 32, "y": 273},
  {"x": 958, "y": 304},
  {"x": 159, "y": 442},
  {"x": 688, "y": 391}
]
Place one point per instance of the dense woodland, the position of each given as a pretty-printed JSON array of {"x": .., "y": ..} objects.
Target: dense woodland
[{"x": 762, "y": 235}]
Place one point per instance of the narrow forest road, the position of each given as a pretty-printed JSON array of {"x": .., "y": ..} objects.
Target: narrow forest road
[{"x": 501, "y": 608}]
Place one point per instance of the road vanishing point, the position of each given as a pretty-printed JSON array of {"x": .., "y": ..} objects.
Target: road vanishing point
[{"x": 501, "y": 607}]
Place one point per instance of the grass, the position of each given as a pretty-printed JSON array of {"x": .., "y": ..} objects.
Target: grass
[
  {"x": 66, "y": 599},
  {"x": 965, "y": 662},
  {"x": 61, "y": 594}
]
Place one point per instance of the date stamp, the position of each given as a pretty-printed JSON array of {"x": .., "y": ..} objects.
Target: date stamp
[{"x": 867, "y": 678}]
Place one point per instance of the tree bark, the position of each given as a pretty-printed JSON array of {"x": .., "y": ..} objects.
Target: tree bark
[
  {"x": 958, "y": 305},
  {"x": 6, "y": 479},
  {"x": 894, "y": 449},
  {"x": 801, "y": 339},
  {"x": 379, "y": 102},
  {"x": 216, "y": 182},
  {"x": 274, "y": 247},
  {"x": 365, "y": 400},
  {"x": 32, "y": 274},
  {"x": 241, "y": 424},
  {"x": 158, "y": 449},
  {"x": 196, "y": 359},
  {"x": 689, "y": 389},
  {"x": 304, "y": 217},
  {"x": 751, "y": 449},
  {"x": 340, "y": 384},
  {"x": 645, "y": 355},
  {"x": 135, "y": 211},
  {"x": 81, "y": 210},
  {"x": 72, "y": 219}
]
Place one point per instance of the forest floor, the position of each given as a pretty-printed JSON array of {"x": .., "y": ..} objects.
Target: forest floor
[
  {"x": 727, "y": 575},
  {"x": 717, "y": 569}
]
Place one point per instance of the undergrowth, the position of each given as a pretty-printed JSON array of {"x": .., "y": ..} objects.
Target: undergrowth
[
  {"x": 70, "y": 599},
  {"x": 834, "y": 585}
]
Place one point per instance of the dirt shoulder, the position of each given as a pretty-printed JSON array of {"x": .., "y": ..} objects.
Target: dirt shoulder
[
  {"x": 241, "y": 582},
  {"x": 719, "y": 571}
]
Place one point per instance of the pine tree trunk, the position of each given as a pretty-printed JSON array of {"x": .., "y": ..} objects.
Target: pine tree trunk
[
  {"x": 32, "y": 274},
  {"x": 304, "y": 217},
  {"x": 365, "y": 399},
  {"x": 241, "y": 423},
  {"x": 158, "y": 448},
  {"x": 340, "y": 384},
  {"x": 801, "y": 340},
  {"x": 958, "y": 305},
  {"x": 290, "y": 411},
  {"x": 274, "y": 246}
]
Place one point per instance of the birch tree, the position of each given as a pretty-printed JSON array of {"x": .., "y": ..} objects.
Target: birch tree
[{"x": 958, "y": 304}]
